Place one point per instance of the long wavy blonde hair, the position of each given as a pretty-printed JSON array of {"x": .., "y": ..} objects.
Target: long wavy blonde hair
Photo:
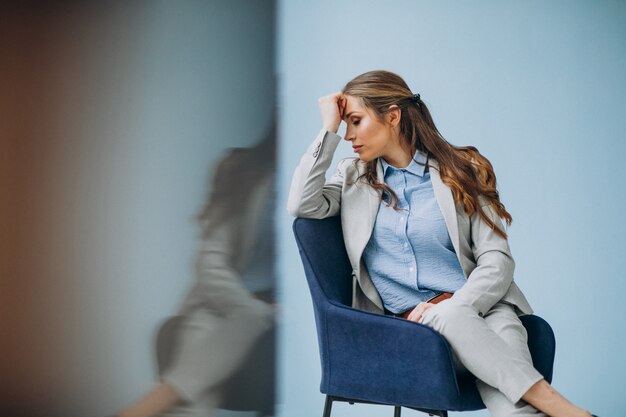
[{"x": 469, "y": 174}]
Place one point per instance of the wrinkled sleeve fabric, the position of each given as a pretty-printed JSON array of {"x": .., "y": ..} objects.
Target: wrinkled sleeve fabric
[
  {"x": 310, "y": 195},
  {"x": 493, "y": 275}
]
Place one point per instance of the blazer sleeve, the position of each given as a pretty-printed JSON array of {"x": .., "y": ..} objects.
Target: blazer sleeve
[
  {"x": 493, "y": 275},
  {"x": 310, "y": 195}
]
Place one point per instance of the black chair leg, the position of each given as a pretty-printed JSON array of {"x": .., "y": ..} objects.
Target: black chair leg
[
  {"x": 396, "y": 411},
  {"x": 328, "y": 405}
]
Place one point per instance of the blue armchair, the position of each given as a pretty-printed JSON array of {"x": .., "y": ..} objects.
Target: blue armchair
[{"x": 349, "y": 338}]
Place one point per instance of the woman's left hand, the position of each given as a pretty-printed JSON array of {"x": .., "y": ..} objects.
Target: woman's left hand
[{"x": 419, "y": 310}]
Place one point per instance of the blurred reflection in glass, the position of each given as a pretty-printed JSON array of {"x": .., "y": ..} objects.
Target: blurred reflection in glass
[
  {"x": 112, "y": 115},
  {"x": 218, "y": 352}
]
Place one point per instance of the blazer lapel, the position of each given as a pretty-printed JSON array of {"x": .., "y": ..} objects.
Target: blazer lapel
[
  {"x": 357, "y": 232},
  {"x": 444, "y": 197},
  {"x": 374, "y": 199},
  {"x": 373, "y": 202},
  {"x": 360, "y": 216}
]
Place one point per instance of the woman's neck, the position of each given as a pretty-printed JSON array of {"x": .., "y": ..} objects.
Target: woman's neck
[{"x": 399, "y": 157}]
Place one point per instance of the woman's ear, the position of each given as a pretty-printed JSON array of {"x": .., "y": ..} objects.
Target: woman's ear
[{"x": 394, "y": 115}]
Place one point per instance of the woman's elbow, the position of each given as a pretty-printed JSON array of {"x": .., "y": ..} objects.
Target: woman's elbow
[
  {"x": 307, "y": 214},
  {"x": 295, "y": 206},
  {"x": 309, "y": 211},
  {"x": 293, "y": 211}
]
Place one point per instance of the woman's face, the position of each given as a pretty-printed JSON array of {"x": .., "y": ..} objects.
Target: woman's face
[{"x": 370, "y": 137}]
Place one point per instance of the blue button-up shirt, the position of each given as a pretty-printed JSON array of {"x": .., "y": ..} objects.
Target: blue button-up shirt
[{"x": 410, "y": 256}]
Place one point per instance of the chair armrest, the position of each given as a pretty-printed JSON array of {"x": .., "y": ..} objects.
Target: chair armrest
[
  {"x": 541, "y": 343},
  {"x": 384, "y": 358}
]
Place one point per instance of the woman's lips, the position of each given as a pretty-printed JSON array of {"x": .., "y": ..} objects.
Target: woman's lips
[{"x": 357, "y": 148}]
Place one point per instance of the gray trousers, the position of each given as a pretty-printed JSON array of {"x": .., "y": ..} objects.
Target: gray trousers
[{"x": 494, "y": 348}]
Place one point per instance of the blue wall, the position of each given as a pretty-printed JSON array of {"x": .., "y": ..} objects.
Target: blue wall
[{"x": 539, "y": 89}]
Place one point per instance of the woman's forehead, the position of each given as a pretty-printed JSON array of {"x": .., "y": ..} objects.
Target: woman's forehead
[{"x": 353, "y": 104}]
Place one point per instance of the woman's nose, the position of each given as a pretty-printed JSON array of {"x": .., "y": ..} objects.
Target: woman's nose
[{"x": 348, "y": 136}]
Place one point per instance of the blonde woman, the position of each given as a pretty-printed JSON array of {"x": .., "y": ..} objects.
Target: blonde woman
[{"x": 422, "y": 226}]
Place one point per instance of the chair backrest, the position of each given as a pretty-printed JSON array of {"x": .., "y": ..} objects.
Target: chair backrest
[{"x": 326, "y": 263}]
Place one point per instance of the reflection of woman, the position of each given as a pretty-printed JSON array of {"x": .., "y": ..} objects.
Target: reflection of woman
[
  {"x": 421, "y": 223},
  {"x": 230, "y": 305}
]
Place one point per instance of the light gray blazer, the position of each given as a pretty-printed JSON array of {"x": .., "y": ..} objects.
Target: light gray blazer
[{"x": 484, "y": 255}]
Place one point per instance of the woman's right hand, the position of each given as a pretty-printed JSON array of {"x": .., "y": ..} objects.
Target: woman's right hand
[
  {"x": 418, "y": 312},
  {"x": 332, "y": 108}
]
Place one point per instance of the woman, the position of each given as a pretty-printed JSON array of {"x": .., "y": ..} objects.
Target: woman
[{"x": 421, "y": 224}]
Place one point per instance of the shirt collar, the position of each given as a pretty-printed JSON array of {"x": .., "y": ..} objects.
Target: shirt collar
[{"x": 413, "y": 166}]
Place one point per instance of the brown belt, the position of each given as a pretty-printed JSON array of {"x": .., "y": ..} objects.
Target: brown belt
[{"x": 436, "y": 299}]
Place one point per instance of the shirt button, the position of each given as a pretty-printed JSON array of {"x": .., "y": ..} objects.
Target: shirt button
[{"x": 411, "y": 269}]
